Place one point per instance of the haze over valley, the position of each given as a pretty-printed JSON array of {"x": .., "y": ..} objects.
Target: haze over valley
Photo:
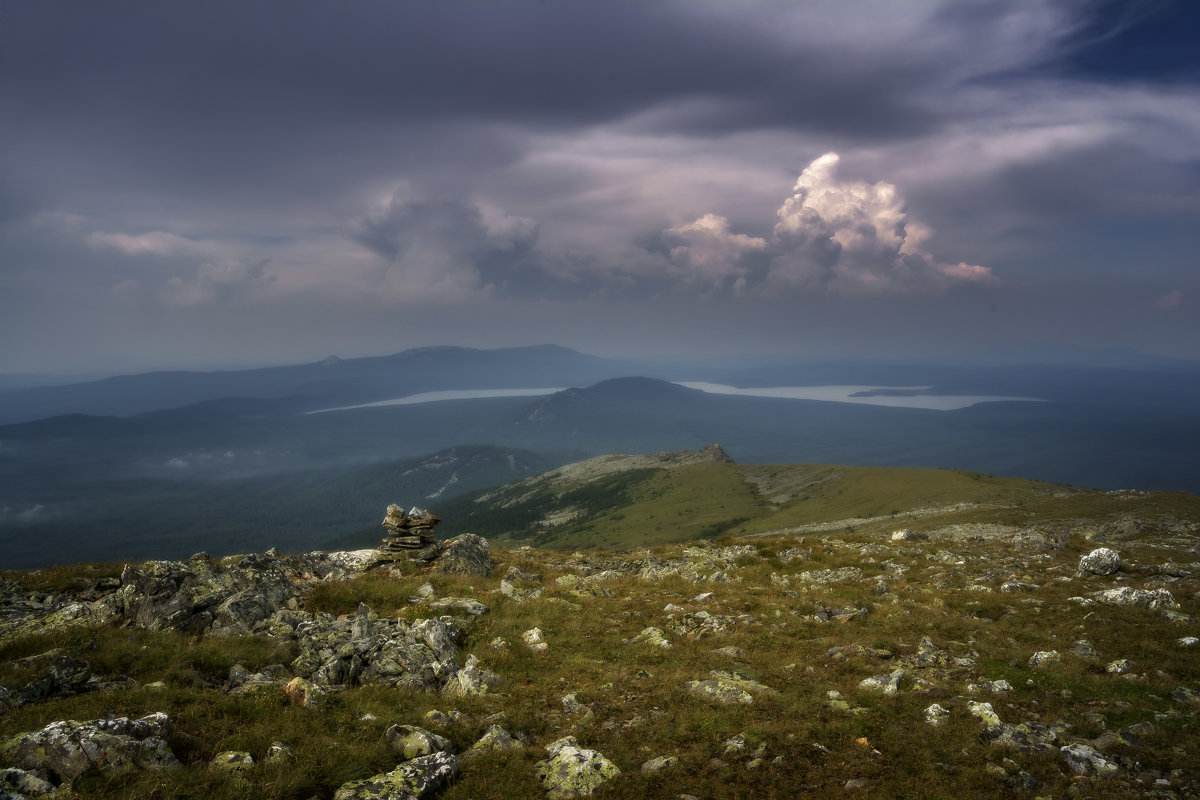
[{"x": 165, "y": 464}]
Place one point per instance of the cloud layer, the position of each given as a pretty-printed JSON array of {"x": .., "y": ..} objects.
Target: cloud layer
[{"x": 184, "y": 178}]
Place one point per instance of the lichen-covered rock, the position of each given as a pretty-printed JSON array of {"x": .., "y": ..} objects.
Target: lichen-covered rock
[
  {"x": 466, "y": 554},
  {"x": 984, "y": 712},
  {"x": 467, "y": 605},
  {"x": 1085, "y": 649},
  {"x": 1142, "y": 598},
  {"x": 409, "y": 742},
  {"x": 886, "y": 684},
  {"x": 660, "y": 763},
  {"x": 472, "y": 679},
  {"x": 728, "y": 688},
  {"x": 68, "y": 748},
  {"x": 534, "y": 641},
  {"x": 1186, "y": 696},
  {"x": 418, "y": 779},
  {"x": 824, "y": 576},
  {"x": 1101, "y": 561},
  {"x": 1044, "y": 658},
  {"x": 572, "y": 771},
  {"x": 929, "y": 654},
  {"x": 64, "y": 676},
  {"x": 1027, "y": 737},
  {"x": 1084, "y": 759},
  {"x": 521, "y": 586},
  {"x": 279, "y": 753},
  {"x": 304, "y": 693},
  {"x": 936, "y": 715},
  {"x": 18, "y": 784},
  {"x": 235, "y": 762},
  {"x": 652, "y": 636},
  {"x": 496, "y": 738}
]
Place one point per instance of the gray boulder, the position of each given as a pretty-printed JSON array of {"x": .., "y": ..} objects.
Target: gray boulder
[
  {"x": 409, "y": 742},
  {"x": 417, "y": 779},
  {"x": 466, "y": 554},
  {"x": 1101, "y": 561},
  {"x": 68, "y": 748},
  {"x": 572, "y": 771}
]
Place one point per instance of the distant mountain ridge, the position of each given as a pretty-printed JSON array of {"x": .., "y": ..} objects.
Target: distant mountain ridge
[{"x": 329, "y": 382}]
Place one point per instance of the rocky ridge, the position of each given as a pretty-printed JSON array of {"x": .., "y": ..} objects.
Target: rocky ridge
[{"x": 1029, "y": 662}]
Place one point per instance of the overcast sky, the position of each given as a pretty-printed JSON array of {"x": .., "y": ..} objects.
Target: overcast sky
[{"x": 218, "y": 184}]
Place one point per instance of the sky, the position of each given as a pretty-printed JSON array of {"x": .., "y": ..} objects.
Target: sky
[{"x": 229, "y": 184}]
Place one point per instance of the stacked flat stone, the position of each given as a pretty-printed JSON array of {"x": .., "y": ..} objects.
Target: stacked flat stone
[{"x": 409, "y": 536}]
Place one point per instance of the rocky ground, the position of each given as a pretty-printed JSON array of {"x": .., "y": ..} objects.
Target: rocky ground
[{"x": 968, "y": 660}]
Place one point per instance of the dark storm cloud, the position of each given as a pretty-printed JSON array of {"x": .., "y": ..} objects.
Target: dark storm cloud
[{"x": 239, "y": 166}]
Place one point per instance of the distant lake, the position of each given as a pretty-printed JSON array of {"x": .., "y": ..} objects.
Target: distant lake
[
  {"x": 895, "y": 396},
  {"x": 448, "y": 394}
]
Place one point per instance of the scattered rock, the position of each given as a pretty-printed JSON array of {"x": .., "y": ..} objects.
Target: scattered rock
[
  {"x": 114, "y": 746},
  {"x": 304, "y": 693},
  {"x": 659, "y": 764},
  {"x": 465, "y": 605},
  {"x": 572, "y": 771},
  {"x": 1027, "y": 737},
  {"x": 533, "y": 640},
  {"x": 1084, "y": 759},
  {"x": 418, "y": 779},
  {"x": 1142, "y": 598},
  {"x": 825, "y": 576},
  {"x": 466, "y": 554},
  {"x": 279, "y": 753},
  {"x": 652, "y": 636},
  {"x": 886, "y": 684},
  {"x": 472, "y": 679},
  {"x": 235, "y": 762},
  {"x": 984, "y": 712},
  {"x": 1101, "y": 561},
  {"x": 728, "y": 688},
  {"x": 409, "y": 742},
  {"x": 496, "y": 738},
  {"x": 936, "y": 715},
  {"x": 1044, "y": 658}
]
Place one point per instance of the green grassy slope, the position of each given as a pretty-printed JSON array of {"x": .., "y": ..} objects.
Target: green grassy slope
[{"x": 650, "y": 506}]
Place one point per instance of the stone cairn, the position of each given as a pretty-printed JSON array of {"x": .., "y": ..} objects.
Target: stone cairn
[{"x": 409, "y": 536}]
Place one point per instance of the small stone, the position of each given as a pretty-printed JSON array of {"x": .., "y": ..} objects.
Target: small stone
[
  {"x": 1187, "y": 696},
  {"x": 304, "y": 693},
  {"x": 887, "y": 684},
  {"x": 984, "y": 712},
  {"x": 1086, "y": 760},
  {"x": 409, "y": 742},
  {"x": 652, "y": 636},
  {"x": 1120, "y": 666},
  {"x": 936, "y": 715},
  {"x": 417, "y": 779},
  {"x": 279, "y": 753},
  {"x": 660, "y": 763},
  {"x": 496, "y": 738},
  {"x": 1044, "y": 658},
  {"x": 1188, "y": 641},
  {"x": 236, "y": 762},
  {"x": 533, "y": 640}
]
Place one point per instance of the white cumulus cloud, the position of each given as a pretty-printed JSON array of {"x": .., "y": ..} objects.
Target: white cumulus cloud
[
  {"x": 853, "y": 237},
  {"x": 709, "y": 254}
]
